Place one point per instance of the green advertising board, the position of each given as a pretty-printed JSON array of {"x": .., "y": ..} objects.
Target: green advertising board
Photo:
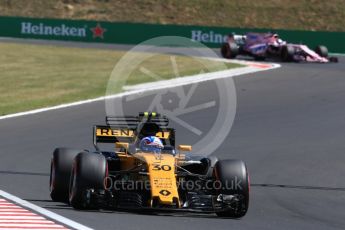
[{"x": 134, "y": 33}]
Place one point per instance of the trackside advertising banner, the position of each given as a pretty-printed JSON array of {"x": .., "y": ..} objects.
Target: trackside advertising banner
[{"x": 134, "y": 33}]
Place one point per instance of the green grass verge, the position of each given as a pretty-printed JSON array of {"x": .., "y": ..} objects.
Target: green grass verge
[
  {"x": 272, "y": 14},
  {"x": 36, "y": 76}
]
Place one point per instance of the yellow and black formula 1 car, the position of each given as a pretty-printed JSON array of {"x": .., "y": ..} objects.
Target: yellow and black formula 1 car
[{"x": 129, "y": 178}]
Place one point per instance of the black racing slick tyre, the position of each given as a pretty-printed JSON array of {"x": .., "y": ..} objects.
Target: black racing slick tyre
[
  {"x": 322, "y": 51},
  {"x": 234, "y": 178},
  {"x": 88, "y": 172},
  {"x": 60, "y": 172},
  {"x": 287, "y": 53},
  {"x": 229, "y": 50},
  {"x": 333, "y": 59}
]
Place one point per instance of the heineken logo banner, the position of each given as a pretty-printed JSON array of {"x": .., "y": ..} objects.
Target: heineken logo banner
[
  {"x": 55, "y": 29},
  {"x": 134, "y": 33},
  {"x": 42, "y": 29}
]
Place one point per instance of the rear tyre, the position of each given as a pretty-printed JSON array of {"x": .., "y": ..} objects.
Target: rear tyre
[
  {"x": 88, "y": 172},
  {"x": 60, "y": 172},
  {"x": 333, "y": 59},
  {"x": 229, "y": 50},
  {"x": 322, "y": 51},
  {"x": 287, "y": 53},
  {"x": 234, "y": 178}
]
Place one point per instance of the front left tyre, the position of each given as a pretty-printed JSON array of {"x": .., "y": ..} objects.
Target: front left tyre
[
  {"x": 322, "y": 51},
  {"x": 287, "y": 53},
  {"x": 234, "y": 179}
]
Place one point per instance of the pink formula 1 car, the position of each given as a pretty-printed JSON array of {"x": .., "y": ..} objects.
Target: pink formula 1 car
[{"x": 263, "y": 45}]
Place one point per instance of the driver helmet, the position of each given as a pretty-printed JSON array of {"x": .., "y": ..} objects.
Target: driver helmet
[
  {"x": 275, "y": 40},
  {"x": 151, "y": 144},
  {"x": 281, "y": 42}
]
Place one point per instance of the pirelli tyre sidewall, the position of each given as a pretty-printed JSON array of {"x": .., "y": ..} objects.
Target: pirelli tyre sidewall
[
  {"x": 60, "y": 172},
  {"x": 88, "y": 172},
  {"x": 229, "y": 50},
  {"x": 322, "y": 51},
  {"x": 234, "y": 178},
  {"x": 287, "y": 53}
]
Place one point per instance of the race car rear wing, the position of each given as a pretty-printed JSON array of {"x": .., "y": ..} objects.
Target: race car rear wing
[
  {"x": 113, "y": 134},
  {"x": 130, "y": 128},
  {"x": 110, "y": 134}
]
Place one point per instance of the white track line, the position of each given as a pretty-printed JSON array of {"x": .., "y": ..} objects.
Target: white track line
[
  {"x": 141, "y": 88},
  {"x": 25, "y": 217}
]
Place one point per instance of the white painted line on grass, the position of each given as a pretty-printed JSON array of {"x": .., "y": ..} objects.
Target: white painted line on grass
[{"x": 42, "y": 211}]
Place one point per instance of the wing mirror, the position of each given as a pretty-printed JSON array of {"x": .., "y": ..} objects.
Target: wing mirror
[{"x": 185, "y": 148}]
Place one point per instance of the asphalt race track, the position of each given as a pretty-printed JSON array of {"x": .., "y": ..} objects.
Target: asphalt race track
[{"x": 289, "y": 128}]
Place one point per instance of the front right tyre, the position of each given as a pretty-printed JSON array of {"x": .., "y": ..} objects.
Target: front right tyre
[
  {"x": 234, "y": 178},
  {"x": 229, "y": 50},
  {"x": 88, "y": 172}
]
